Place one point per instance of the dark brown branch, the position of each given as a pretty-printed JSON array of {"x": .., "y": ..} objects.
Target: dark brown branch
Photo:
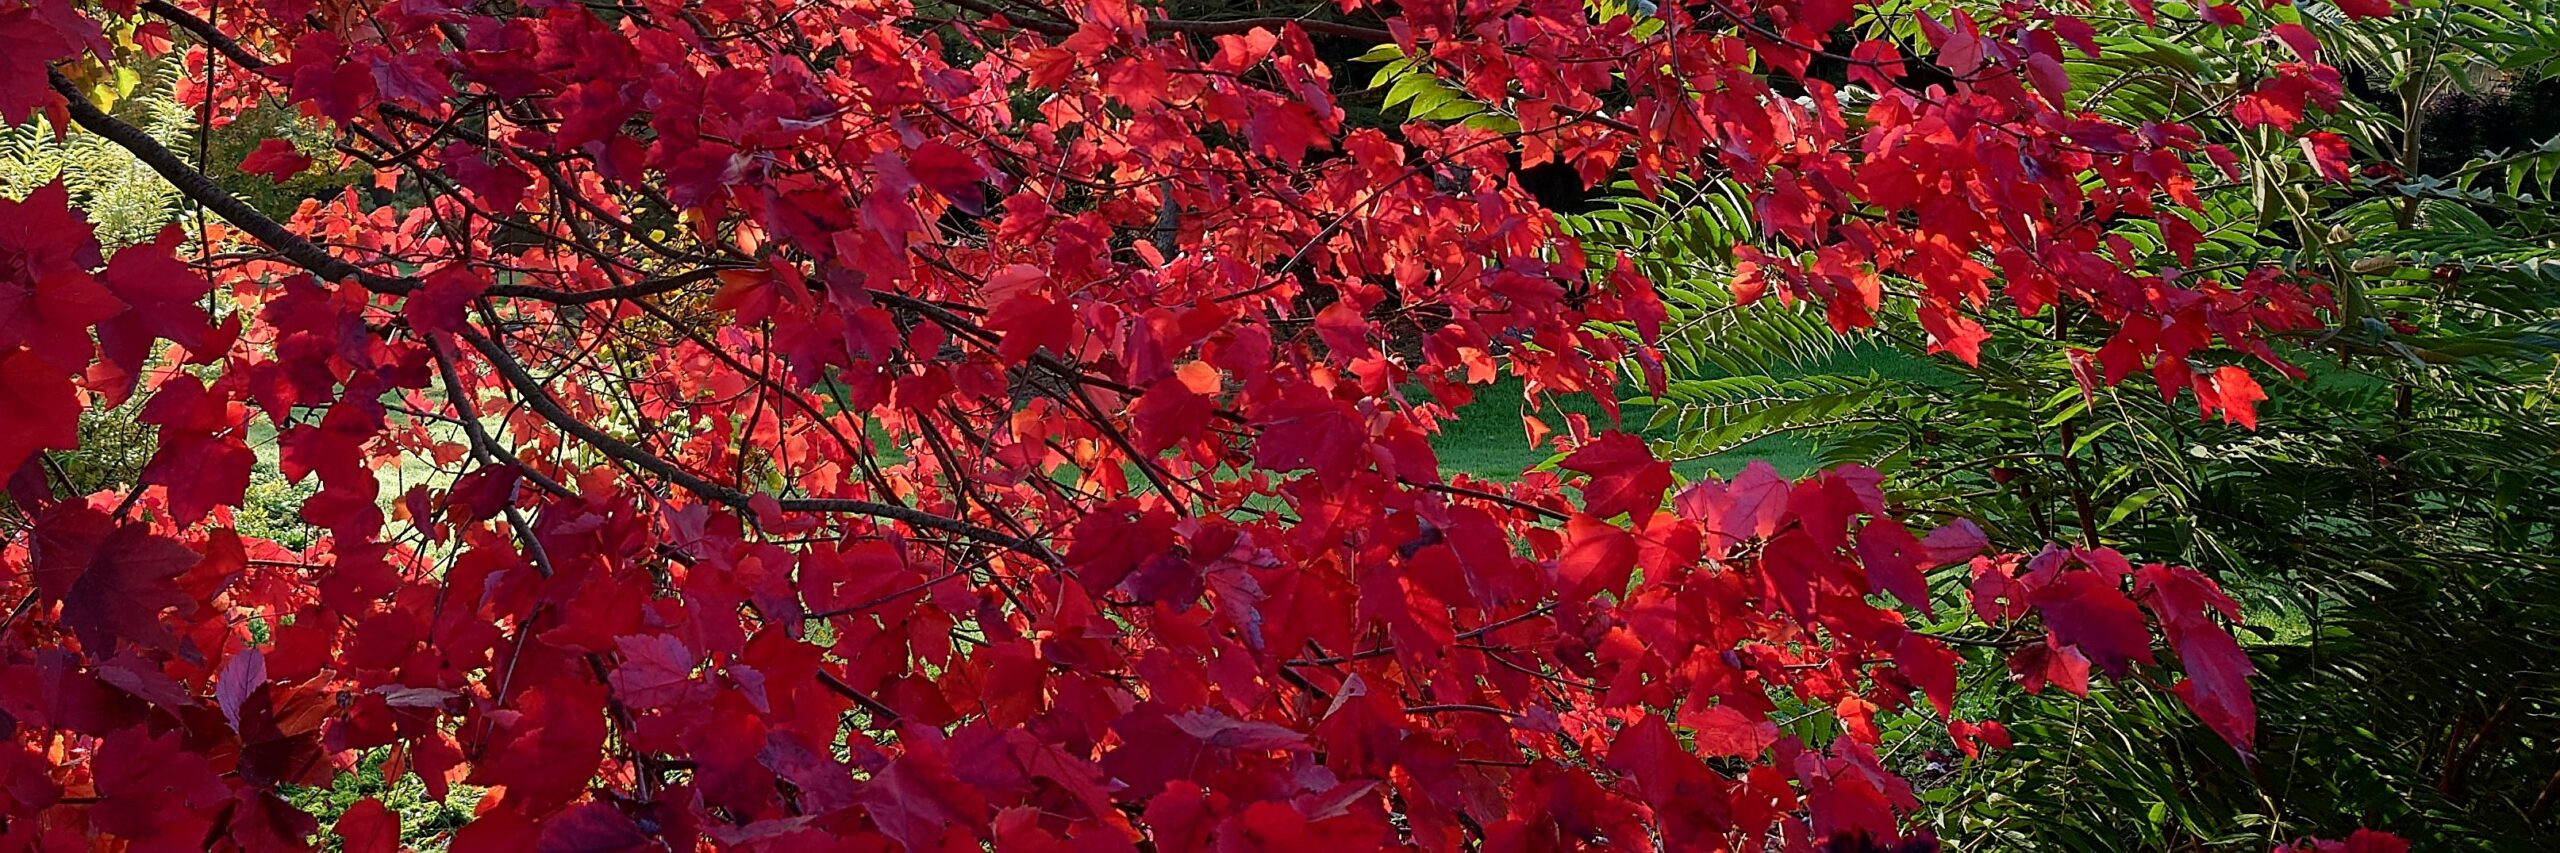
[
  {"x": 1952, "y": 640},
  {"x": 1457, "y": 708},
  {"x": 204, "y": 191},
  {"x": 539, "y": 399},
  {"x": 970, "y": 330},
  {"x": 859, "y": 698},
  {"x": 1490, "y": 497},
  {"x": 1471, "y": 634},
  {"x": 298, "y": 249},
  {"x": 213, "y": 38},
  {"x": 1052, "y": 28},
  {"x": 893, "y": 595},
  {"x": 641, "y": 289},
  {"x": 761, "y": 378},
  {"x": 1042, "y": 26},
  {"x": 487, "y": 449},
  {"x": 1353, "y": 32}
]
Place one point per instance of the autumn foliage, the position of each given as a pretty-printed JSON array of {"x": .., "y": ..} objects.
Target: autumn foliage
[{"x": 934, "y": 426}]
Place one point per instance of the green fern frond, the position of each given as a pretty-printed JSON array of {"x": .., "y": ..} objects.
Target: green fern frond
[
  {"x": 123, "y": 197},
  {"x": 1710, "y": 416}
]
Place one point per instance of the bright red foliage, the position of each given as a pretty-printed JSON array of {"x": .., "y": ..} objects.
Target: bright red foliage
[
  {"x": 276, "y": 159},
  {"x": 886, "y": 432},
  {"x": 2361, "y": 841}
]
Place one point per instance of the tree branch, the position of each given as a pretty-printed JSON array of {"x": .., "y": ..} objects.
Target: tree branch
[
  {"x": 204, "y": 191},
  {"x": 1055, "y": 29},
  {"x": 1353, "y": 32},
  {"x": 212, "y": 38},
  {"x": 300, "y": 250},
  {"x": 542, "y": 403}
]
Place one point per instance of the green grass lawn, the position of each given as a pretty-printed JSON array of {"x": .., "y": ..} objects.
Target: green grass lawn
[{"x": 1486, "y": 439}]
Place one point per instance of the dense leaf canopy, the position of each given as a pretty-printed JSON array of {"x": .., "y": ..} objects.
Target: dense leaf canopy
[{"x": 954, "y": 424}]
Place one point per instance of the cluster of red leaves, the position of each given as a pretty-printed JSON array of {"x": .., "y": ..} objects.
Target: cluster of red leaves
[
  {"x": 2360, "y": 841},
  {"x": 2000, "y": 179},
  {"x": 893, "y": 432}
]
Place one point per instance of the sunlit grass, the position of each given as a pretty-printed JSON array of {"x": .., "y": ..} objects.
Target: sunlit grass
[{"x": 1487, "y": 438}]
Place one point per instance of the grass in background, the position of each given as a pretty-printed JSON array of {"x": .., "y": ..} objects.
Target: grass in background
[{"x": 1487, "y": 440}]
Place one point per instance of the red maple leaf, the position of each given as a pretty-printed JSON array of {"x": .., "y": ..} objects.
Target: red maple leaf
[
  {"x": 2237, "y": 395},
  {"x": 915, "y": 799},
  {"x": 367, "y": 827},
  {"x": 277, "y": 159},
  {"x": 2218, "y": 670},
  {"x": 1722, "y": 730},
  {"x": 1309, "y": 431},
  {"x": 129, "y": 581},
  {"x": 2329, "y": 155},
  {"x": 1625, "y": 476},
  {"x": 2359, "y": 841},
  {"x": 949, "y": 172},
  {"x": 1649, "y": 752},
  {"x": 39, "y": 409},
  {"x": 2298, "y": 38},
  {"x": 202, "y": 470},
  {"x": 153, "y": 791},
  {"x": 30, "y": 42},
  {"x": 1219, "y": 730},
  {"x": 2049, "y": 662},
  {"x": 1169, "y": 413},
  {"x": 595, "y": 827},
  {"x": 2087, "y": 611},
  {"x": 1758, "y": 504},
  {"x": 1032, "y": 323},
  {"x": 166, "y": 301},
  {"x": 655, "y": 670},
  {"x": 48, "y": 299}
]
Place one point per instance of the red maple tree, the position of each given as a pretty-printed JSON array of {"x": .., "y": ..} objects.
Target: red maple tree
[{"x": 954, "y": 424}]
